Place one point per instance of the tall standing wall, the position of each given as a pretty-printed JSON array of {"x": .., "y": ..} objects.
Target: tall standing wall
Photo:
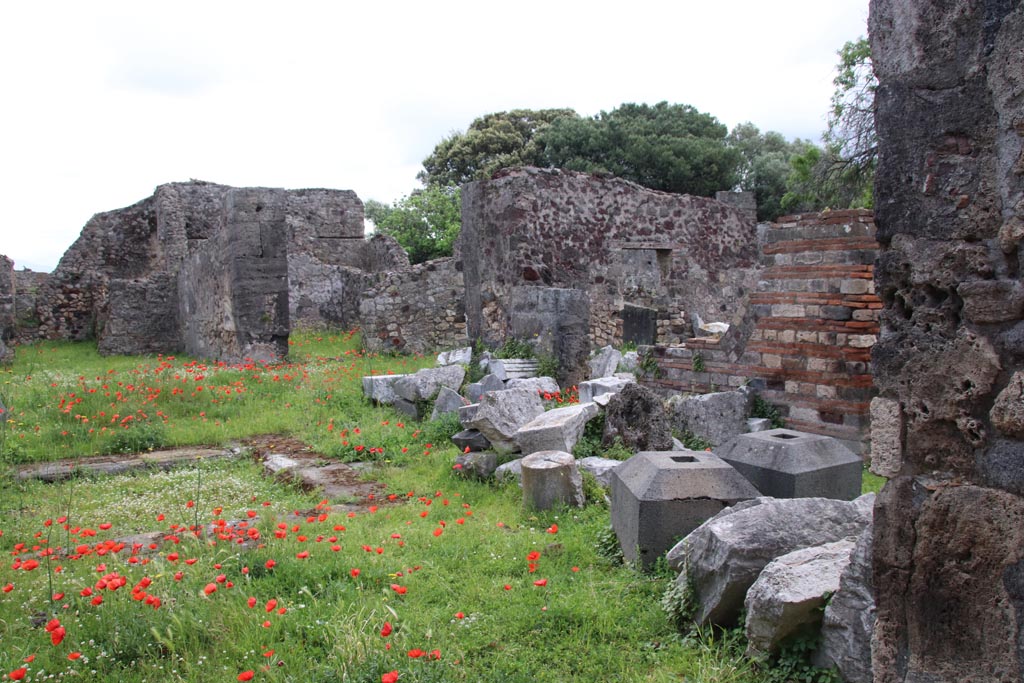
[{"x": 949, "y": 420}]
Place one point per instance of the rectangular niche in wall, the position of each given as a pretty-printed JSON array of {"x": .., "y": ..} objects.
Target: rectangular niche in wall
[{"x": 639, "y": 324}]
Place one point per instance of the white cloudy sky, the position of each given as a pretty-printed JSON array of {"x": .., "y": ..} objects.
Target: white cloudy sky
[{"x": 102, "y": 101}]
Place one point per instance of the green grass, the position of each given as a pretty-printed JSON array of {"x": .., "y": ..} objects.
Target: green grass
[{"x": 453, "y": 544}]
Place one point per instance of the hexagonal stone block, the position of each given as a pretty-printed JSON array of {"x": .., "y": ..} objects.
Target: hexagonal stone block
[
  {"x": 660, "y": 496},
  {"x": 783, "y": 463}
]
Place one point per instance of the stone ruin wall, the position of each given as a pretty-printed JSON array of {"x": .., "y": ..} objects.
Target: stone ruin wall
[
  {"x": 8, "y": 293},
  {"x": 949, "y": 418},
  {"x": 805, "y": 339},
  {"x": 629, "y": 247}
]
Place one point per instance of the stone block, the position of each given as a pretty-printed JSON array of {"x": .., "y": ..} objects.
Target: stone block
[
  {"x": 461, "y": 356},
  {"x": 992, "y": 301},
  {"x": 487, "y": 383},
  {"x": 513, "y": 469},
  {"x": 476, "y": 465},
  {"x": 661, "y": 496},
  {"x": 601, "y": 468},
  {"x": 500, "y": 414},
  {"x": 447, "y": 401},
  {"x": 595, "y": 387},
  {"x": 637, "y": 417},
  {"x": 539, "y": 385},
  {"x": 472, "y": 439},
  {"x": 758, "y": 424},
  {"x": 849, "y": 618},
  {"x": 381, "y": 388},
  {"x": 790, "y": 593},
  {"x": 555, "y": 430},
  {"x": 425, "y": 384},
  {"x": 468, "y": 413},
  {"x": 714, "y": 417},
  {"x": 551, "y": 479},
  {"x": 783, "y": 463},
  {"x": 886, "y": 437},
  {"x": 605, "y": 362},
  {"x": 512, "y": 368}
]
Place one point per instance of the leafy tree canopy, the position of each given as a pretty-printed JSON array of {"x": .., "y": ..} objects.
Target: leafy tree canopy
[
  {"x": 670, "y": 147},
  {"x": 425, "y": 223},
  {"x": 492, "y": 142},
  {"x": 764, "y": 165}
]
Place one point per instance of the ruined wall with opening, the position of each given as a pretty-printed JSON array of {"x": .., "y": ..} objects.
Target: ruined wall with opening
[
  {"x": 644, "y": 257},
  {"x": 804, "y": 339},
  {"x": 949, "y": 419}
]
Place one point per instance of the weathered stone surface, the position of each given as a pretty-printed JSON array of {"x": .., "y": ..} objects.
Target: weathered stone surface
[
  {"x": 472, "y": 439},
  {"x": 790, "y": 593},
  {"x": 512, "y": 368},
  {"x": 461, "y": 356},
  {"x": 886, "y": 437},
  {"x": 447, "y": 401},
  {"x": 513, "y": 469},
  {"x": 758, "y": 424},
  {"x": 715, "y": 417},
  {"x": 1007, "y": 413},
  {"x": 658, "y": 497},
  {"x": 637, "y": 417},
  {"x": 476, "y": 465},
  {"x": 849, "y": 618},
  {"x": 630, "y": 362},
  {"x": 275, "y": 463},
  {"x": 500, "y": 414},
  {"x": 948, "y": 548},
  {"x": 540, "y": 385},
  {"x": 487, "y": 383},
  {"x": 551, "y": 479},
  {"x": 787, "y": 464},
  {"x": 555, "y": 430},
  {"x": 407, "y": 407},
  {"x": 722, "y": 558},
  {"x": 468, "y": 413},
  {"x": 605, "y": 385},
  {"x": 425, "y": 384},
  {"x": 381, "y": 388},
  {"x": 604, "y": 363},
  {"x": 601, "y": 468},
  {"x": 556, "y": 320}
]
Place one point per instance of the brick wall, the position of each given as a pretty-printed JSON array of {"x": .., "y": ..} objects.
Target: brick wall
[{"x": 805, "y": 338}]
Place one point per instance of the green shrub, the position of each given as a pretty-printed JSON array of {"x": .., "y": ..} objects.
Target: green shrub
[
  {"x": 515, "y": 348},
  {"x": 764, "y": 409}
]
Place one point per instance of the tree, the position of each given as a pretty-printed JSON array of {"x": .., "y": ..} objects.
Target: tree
[
  {"x": 492, "y": 142},
  {"x": 670, "y": 147},
  {"x": 764, "y": 165},
  {"x": 425, "y": 223}
]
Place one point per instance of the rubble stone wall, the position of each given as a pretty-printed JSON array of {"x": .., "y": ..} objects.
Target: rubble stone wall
[
  {"x": 804, "y": 340},
  {"x": 8, "y": 293},
  {"x": 621, "y": 243},
  {"x": 949, "y": 192},
  {"x": 417, "y": 310}
]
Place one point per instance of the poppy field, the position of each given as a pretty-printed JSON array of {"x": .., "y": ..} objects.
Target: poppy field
[{"x": 213, "y": 571}]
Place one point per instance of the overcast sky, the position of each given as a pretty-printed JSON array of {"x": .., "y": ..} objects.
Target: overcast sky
[{"x": 103, "y": 101}]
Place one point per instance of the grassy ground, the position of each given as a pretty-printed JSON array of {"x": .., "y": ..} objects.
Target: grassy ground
[{"x": 441, "y": 579}]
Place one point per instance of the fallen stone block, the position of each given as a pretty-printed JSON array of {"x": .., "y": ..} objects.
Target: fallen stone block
[
  {"x": 275, "y": 463},
  {"x": 461, "y": 356},
  {"x": 658, "y": 497},
  {"x": 604, "y": 362},
  {"x": 487, "y": 383},
  {"x": 500, "y": 414},
  {"x": 476, "y": 465},
  {"x": 604, "y": 385},
  {"x": 716, "y": 417},
  {"x": 381, "y": 388},
  {"x": 555, "y": 430},
  {"x": 630, "y": 362},
  {"x": 783, "y": 463},
  {"x": 721, "y": 559},
  {"x": 468, "y": 413},
  {"x": 471, "y": 439},
  {"x": 512, "y": 368},
  {"x": 790, "y": 594},
  {"x": 424, "y": 384},
  {"x": 540, "y": 385},
  {"x": 513, "y": 469},
  {"x": 601, "y": 468},
  {"x": 849, "y": 619},
  {"x": 637, "y": 417},
  {"x": 447, "y": 401},
  {"x": 758, "y": 424},
  {"x": 551, "y": 479}
]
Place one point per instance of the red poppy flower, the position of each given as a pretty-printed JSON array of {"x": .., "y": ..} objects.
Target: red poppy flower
[
  {"x": 354, "y": 572},
  {"x": 246, "y": 675},
  {"x": 540, "y": 582},
  {"x": 19, "y": 674},
  {"x": 533, "y": 556},
  {"x": 460, "y": 615},
  {"x": 389, "y": 677},
  {"x": 271, "y": 605},
  {"x": 415, "y": 653},
  {"x": 74, "y": 655},
  {"x": 210, "y": 588},
  {"x": 385, "y": 630},
  {"x": 401, "y": 590}
]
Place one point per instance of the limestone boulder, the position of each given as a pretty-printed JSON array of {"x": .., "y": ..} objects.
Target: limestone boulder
[
  {"x": 447, "y": 401},
  {"x": 605, "y": 362},
  {"x": 471, "y": 439},
  {"x": 540, "y": 385},
  {"x": 637, "y": 416},
  {"x": 468, "y": 413},
  {"x": 513, "y": 469},
  {"x": 790, "y": 594},
  {"x": 381, "y": 388},
  {"x": 425, "y": 384},
  {"x": 475, "y": 390},
  {"x": 555, "y": 430},
  {"x": 551, "y": 479},
  {"x": 500, "y": 414},
  {"x": 601, "y": 468},
  {"x": 715, "y": 417},
  {"x": 604, "y": 385},
  {"x": 630, "y": 361},
  {"x": 849, "y": 619},
  {"x": 461, "y": 356},
  {"x": 476, "y": 465},
  {"x": 723, "y": 557}
]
